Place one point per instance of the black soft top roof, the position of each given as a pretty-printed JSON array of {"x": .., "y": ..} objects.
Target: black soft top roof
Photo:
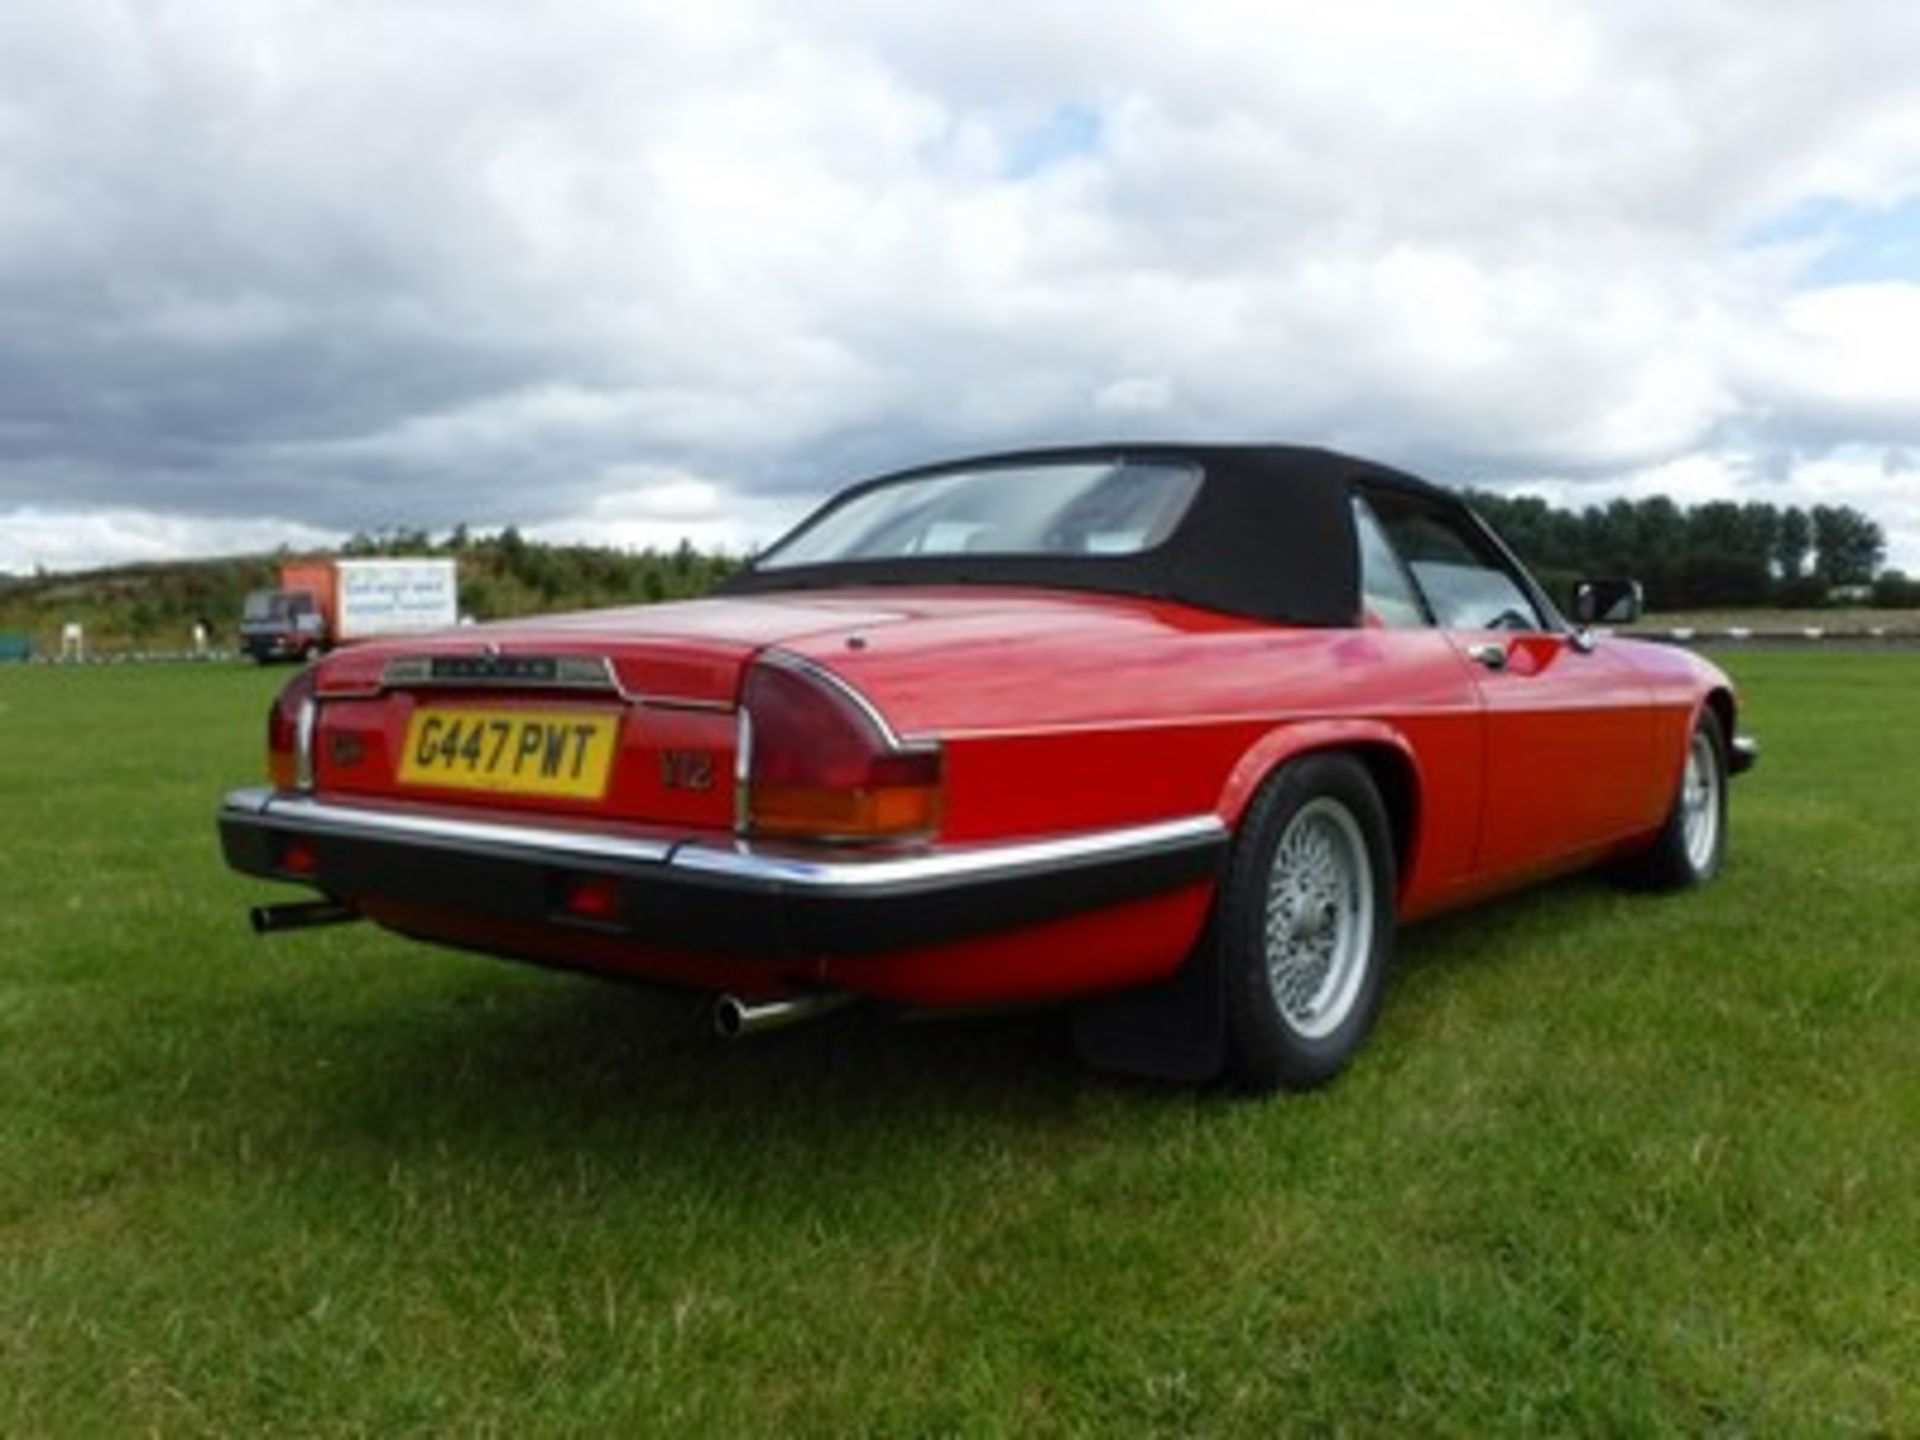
[{"x": 1269, "y": 535}]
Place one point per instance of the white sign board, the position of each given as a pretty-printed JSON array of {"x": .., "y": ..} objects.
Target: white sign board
[{"x": 396, "y": 597}]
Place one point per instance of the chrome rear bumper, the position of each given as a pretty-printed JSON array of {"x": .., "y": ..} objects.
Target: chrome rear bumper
[{"x": 732, "y": 896}]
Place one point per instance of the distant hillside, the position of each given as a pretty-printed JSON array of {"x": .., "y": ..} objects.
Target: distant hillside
[{"x": 154, "y": 606}]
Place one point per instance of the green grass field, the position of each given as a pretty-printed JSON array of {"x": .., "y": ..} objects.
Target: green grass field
[{"x": 1611, "y": 1165}]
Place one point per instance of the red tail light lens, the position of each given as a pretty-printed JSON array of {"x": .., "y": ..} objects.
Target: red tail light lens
[
  {"x": 290, "y": 735},
  {"x": 822, "y": 766}
]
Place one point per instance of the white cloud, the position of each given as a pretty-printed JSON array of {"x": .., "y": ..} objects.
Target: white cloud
[
  {"x": 58, "y": 540},
  {"x": 422, "y": 265},
  {"x": 657, "y": 509},
  {"x": 1135, "y": 395},
  {"x": 1841, "y": 361}
]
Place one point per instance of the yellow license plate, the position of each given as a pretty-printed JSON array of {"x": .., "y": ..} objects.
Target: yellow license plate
[{"x": 567, "y": 753}]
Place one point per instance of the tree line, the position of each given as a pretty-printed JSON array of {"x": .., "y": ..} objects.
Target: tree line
[
  {"x": 1712, "y": 555},
  {"x": 155, "y": 606},
  {"x": 1718, "y": 554}
]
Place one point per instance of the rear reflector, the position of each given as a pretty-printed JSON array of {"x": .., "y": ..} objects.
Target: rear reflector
[
  {"x": 589, "y": 898},
  {"x": 297, "y": 857}
]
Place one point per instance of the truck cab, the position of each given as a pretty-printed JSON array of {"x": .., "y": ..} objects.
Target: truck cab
[{"x": 282, "y": 625}]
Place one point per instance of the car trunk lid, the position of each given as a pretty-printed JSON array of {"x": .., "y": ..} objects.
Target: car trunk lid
[
  {"x": 631, "y": 715},
  {"x": 622, "y": 715}
]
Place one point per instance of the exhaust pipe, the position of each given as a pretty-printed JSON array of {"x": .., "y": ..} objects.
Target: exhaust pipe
[
  {"x": 734, "y": 1017},
  {"x": 303, "y": 915}
]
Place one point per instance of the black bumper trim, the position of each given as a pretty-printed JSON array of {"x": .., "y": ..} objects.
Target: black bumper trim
[{"x": 777, "y": 905}]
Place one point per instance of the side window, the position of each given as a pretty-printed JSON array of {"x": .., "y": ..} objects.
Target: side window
[
  {"x": 1386, "y": 590},
  {"x": 1466, "y": 582}
]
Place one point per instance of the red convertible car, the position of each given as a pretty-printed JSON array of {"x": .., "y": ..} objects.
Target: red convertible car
[{"x": 1180, "y": 734}]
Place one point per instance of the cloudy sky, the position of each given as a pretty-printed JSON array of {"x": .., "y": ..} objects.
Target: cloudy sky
[{"x": 278, "y": 270}]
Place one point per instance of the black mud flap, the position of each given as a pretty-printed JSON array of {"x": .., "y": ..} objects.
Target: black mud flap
[{"x": 1176, "y": 1031}]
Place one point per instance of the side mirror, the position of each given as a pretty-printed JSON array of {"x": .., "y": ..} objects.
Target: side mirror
[{"x": 1607, "y": 602}]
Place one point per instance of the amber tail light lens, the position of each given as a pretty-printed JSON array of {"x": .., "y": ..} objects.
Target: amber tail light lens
[
  {"x": 290, "y": 735},
  {"x": 821, "y": 766}
]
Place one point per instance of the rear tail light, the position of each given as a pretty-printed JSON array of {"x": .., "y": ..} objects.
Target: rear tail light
[
  {"x": 290, "y": 735},
  {"x": 821, "y": 763}
]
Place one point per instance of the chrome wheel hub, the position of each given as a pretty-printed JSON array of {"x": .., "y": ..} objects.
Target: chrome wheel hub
[
  {"x": 1700, "y": 803},
  {"x": 1319, "y": 918}
]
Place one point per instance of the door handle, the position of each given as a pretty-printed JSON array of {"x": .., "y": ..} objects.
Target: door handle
[{"x": 1488, "y": 653}]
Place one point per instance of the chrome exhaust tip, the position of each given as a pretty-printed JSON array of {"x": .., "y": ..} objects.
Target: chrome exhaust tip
[{"x": 734, "y": 1018}]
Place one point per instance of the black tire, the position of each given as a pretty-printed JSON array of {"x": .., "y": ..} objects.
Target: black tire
[
  {"x": 1271, "y": 924},
  {"x": 1684, "y": 854}
]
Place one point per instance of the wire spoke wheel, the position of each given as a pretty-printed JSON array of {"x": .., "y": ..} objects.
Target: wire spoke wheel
[
  {"x": 1319, "y": 917},
  {"x": 1306, "y": 923}
]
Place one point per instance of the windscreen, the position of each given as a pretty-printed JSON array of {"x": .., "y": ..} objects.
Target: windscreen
[{"x": 1066, "y": 508}]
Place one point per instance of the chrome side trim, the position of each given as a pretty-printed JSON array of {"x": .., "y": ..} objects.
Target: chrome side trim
[
  {"x": 814, "y": 670},
  {"x": 788, "y": 867},
  {"x": 742, "y": 771},
  {"x": 983, "y": 862},
  {"x": 251, "y": 801},
  {"x": 306, "y": 722}
]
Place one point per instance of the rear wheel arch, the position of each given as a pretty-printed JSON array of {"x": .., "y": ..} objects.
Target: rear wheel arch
[
  {"x": 1399, "y": 786},
  {"x": 1385, "y": 753},
  {"x": 1181, "y": 1029}
]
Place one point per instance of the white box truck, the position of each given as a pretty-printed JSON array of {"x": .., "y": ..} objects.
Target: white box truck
[{"x": 328, "y": 602}]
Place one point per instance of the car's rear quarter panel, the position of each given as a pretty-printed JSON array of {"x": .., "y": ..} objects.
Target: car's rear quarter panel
[{"x": 1126, "y": 712}]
